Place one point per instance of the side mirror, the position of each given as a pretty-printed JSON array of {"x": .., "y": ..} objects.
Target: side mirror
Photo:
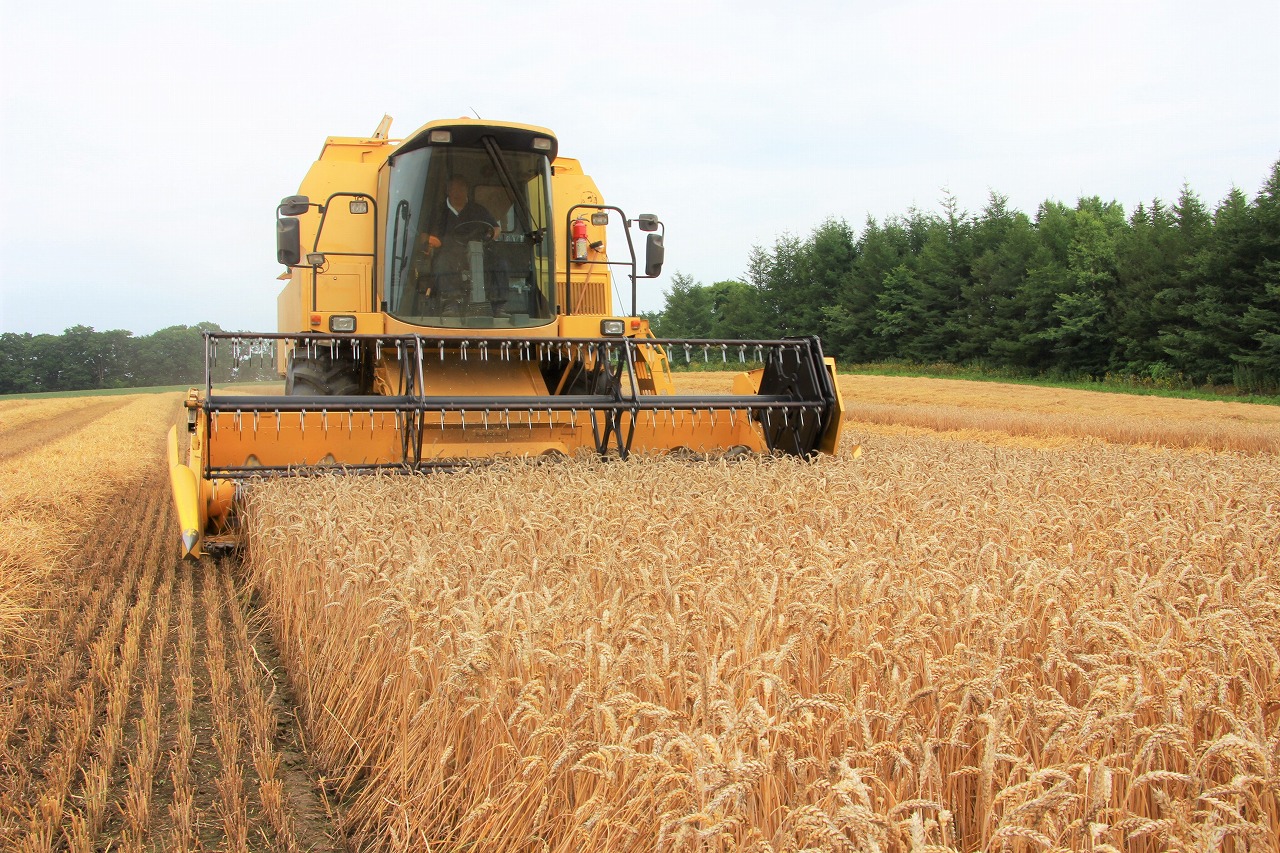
[
  {"x": 294, "y": 205},
  {"x": 647, "y": 221},
  {"x": 653, "y": 256},
  {"x": 288, "y": 241}
]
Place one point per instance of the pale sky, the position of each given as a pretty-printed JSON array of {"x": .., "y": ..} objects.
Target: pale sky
[{"x": 146, "y": 145}]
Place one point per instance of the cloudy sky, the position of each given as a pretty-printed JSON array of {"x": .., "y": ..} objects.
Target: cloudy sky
[{"x": 145, "y": 145}]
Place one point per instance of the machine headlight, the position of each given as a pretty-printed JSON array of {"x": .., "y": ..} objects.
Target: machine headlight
[
  {"x": 612, "y": 328},
  {"x": 342, "y": 323}
]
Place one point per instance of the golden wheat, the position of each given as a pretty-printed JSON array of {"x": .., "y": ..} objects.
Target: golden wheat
[{"x": 943, "y": 644}]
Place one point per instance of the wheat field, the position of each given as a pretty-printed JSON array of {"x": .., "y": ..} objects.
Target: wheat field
[
  {"x": 1022, "y": 620},
  {"x": 940, "y": 645}
]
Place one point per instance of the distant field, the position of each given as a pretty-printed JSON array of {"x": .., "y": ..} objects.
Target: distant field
[
  {"x": 1023, "y": 619},
  {"x": 1041, "y": 415},
  {"x": 154, "y": 389}
]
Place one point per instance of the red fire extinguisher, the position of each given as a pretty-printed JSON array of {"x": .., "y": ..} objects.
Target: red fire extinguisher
[{"x": 579, "y": 239}]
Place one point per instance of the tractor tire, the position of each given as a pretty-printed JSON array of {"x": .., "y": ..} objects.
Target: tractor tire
[{"x": 321, "y": 375}]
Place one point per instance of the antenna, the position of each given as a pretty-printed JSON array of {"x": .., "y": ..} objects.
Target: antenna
[{"x": 473, "y": 109}]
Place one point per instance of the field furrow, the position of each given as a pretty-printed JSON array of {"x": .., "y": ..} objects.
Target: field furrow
[
  {"x": 34, "y": 431},
  {"x": 131, "y": 718}
]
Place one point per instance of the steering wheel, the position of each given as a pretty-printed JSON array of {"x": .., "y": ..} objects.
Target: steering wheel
[{"x": 475, "y": 229}]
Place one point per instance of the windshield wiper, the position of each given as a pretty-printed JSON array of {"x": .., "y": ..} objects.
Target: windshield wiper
[{"x": 500, "y": 165}]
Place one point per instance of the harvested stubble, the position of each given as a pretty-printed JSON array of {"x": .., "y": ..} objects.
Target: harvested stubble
[
  {"x": 1059, "y": 415},
  {"x": 228, "y": 725},
  {"x": 943, "y": 645},
  {"x": 110, "y": 737},
  {"x": 52, "y": 492},
  {"x": 19, "y": 412}
]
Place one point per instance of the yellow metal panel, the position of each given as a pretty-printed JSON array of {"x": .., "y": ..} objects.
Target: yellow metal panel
[
  {"x": 491, "y": 378},
  {"x": 343, "y": 288},
  {"x": 186, "y": 496},
  {"x": 367, "y": 323},
  {"x": 363, "y": 438},
  {"x": 576, "y": 326},
  {"x": 355, "y": 149},
  {"x": 831, "y": 439},
  {"x": 395, "y": 326},
  {"x": 591, "y": 280}
]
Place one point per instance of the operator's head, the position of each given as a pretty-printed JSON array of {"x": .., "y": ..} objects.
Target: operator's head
[{"x": 458, "y": 191}]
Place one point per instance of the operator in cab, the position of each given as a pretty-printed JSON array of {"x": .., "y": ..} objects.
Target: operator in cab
[
  {"x": 459, "y": 222},
  {"x": 458, "y": 209}
]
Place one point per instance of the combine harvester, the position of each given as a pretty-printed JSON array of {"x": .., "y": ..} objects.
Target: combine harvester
[{"x": 448, "y": 300}]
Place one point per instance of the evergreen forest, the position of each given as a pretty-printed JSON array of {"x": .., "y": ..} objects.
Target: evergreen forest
[{"x": 1175, "y": 295}]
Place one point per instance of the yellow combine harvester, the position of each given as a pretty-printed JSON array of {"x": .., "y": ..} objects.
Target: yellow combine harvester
[{"x": 448, "y": 299}]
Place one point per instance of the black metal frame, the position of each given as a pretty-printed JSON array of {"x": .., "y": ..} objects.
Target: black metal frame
[
  {"x": 569, "y": 262},
  {"x": 373, "y": 265},
  {"x": 793, "y": 409}
]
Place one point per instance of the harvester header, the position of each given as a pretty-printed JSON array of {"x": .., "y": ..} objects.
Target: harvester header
[{"x": 448, "y": 300}]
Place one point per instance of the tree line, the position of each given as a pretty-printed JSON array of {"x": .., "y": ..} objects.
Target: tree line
[
  {"x": 83, "y": 359},
  {"x": 1178, "y": 295}
]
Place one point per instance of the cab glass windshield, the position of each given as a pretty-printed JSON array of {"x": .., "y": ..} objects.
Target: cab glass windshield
[{"x": 467, "y": 238}]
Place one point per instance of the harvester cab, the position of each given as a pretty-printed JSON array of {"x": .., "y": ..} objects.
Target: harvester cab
[{"x": 449, "y": 299}]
